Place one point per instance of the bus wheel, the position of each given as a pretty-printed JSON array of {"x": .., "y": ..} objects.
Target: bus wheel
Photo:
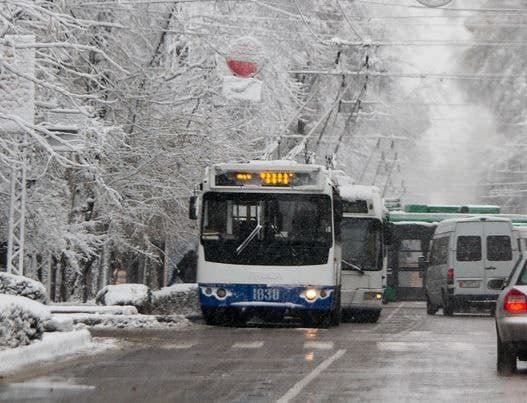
[
  {"x": 373, "y": 317},
  {"x": 316, "y": 319},
  {"x": 211, "y": 316},
  {"x": 336, "y": 313},
  {"x": 336, "y": 316},
  {"x": 233, "y": 317},
  {"x": 273, "y": 315},
  {"x": 431, "y": 309}
]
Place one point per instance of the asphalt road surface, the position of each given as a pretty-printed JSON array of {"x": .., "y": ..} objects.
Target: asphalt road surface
[{"x": 406, "y": 356}]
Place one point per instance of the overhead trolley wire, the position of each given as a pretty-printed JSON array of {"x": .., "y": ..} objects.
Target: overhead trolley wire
[{"x": 453, "y": 76}]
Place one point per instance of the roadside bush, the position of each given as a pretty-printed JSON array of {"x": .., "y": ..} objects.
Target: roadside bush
[
  {"x": 22, "y": 320},
  {"x": 181, "y": 299},
  {"x": 137, "y": 295},
  {"x": 23, "y": 287}
]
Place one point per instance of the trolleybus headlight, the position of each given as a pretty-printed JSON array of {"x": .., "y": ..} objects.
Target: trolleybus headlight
[
  {"x": 208, "y": 290},
  {"x": 372, "y": 296},
  {"x": 221, "y": 293},
  {"x": 311, "y": 294},
  {"x": 323, "y": 294}
]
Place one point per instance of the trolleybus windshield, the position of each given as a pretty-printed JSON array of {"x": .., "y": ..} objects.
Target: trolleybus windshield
[
  {"x": 361, "y": 244},
  {"x": 266, "y": 229}
]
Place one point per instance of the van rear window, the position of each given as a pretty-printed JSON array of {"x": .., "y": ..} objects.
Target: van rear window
[
  {"x": 499, "y": 248},
  {"x": 468, "y": 249}
]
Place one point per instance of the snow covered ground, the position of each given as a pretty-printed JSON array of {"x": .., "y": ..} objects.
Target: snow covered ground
[
  {"x": 52, "y": 347},
  {"x": 31, "y": 332},
  {"x": 126, "y": 321},
  {"x": 164, "y": 308}
]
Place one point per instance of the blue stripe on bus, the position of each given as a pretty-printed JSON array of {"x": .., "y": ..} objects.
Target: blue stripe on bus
[{"x": 263, "y": 295}]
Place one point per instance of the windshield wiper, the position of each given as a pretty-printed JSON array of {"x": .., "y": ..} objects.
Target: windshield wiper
[
  {"x": 352, "y": 266},
  {"x": 249, "y": 238}
]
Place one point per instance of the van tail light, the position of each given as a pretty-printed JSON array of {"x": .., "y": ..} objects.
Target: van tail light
[
  {"x": 450, "y": 276},
  {"x": 515, "y": 301}
]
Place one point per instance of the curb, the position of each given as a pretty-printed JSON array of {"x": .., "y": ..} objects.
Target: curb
[{"x": 52, "y": 346}]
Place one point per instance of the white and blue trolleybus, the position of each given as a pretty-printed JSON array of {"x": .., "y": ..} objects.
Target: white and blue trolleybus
[
  {"x": 269, "y": 243},
  {"x": 364, "y": 234}
]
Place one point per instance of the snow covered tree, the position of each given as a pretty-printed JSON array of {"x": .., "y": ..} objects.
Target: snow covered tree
[{"x": 503, "y": 92}]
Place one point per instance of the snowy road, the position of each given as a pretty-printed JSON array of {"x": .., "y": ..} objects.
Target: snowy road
[{"x": 407, "y": 356}]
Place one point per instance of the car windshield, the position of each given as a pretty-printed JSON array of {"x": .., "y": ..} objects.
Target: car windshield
[{"x": 266, "y": 229}]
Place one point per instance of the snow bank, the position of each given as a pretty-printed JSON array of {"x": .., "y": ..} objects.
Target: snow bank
[
  {"x": 127, "y": 321},
  {"x": 52, "y": 346},
  {"x": 137, "y": 295},
  {"x": 21, "y": 320},
  {"x": 22, "y": 286},
  {"x": 177, "y": 299},
  {"x": 111, "y": 310}
]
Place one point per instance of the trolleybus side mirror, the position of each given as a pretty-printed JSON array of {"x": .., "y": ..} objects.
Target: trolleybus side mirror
[
  {"x": 388, "y": 233},
  {"x": 422, "y": 263},
  {"x": 192, "y": 208}
]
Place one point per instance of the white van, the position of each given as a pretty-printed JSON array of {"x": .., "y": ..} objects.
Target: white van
[
  {"x": 522, "y": 238},
  {"x": 466, "y": 255}
]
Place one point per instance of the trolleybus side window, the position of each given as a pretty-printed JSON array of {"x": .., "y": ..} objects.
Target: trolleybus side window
[
  {"x": 499, "y": 248},
  {"x": 468, "y": 248}
]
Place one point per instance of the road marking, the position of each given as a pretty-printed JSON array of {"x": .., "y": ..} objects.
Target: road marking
[
  {"x": 178, "y": 346},
  {"x": 297, "y": 388},
  {"x": 401, "y": 346},
  {"x": 248, "y": 344},
  {"x": 319, "y": 345},
  {"x": 405, "y": 346},
  {"x": 389, "y": 316}
]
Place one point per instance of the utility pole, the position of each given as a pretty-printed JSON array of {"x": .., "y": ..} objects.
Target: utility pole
[
  {"x": 17, "y": 213},
  {"x": 17, "y": 108},
  {"x": 389, "y": 176}
]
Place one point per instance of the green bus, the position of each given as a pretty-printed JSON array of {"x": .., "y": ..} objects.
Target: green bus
[{"x": 413, "y": 227}]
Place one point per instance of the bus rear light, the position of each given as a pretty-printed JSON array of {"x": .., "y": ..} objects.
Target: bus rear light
[
  {"x": 515, "y": 301},
  {"x": 450, "y": 276}
]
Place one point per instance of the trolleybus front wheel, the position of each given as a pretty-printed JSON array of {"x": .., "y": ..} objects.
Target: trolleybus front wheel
[{"x": 321, "y": 319}]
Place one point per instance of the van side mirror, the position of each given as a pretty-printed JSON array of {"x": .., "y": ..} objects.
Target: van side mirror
[{"x": 192, "y": 208}]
